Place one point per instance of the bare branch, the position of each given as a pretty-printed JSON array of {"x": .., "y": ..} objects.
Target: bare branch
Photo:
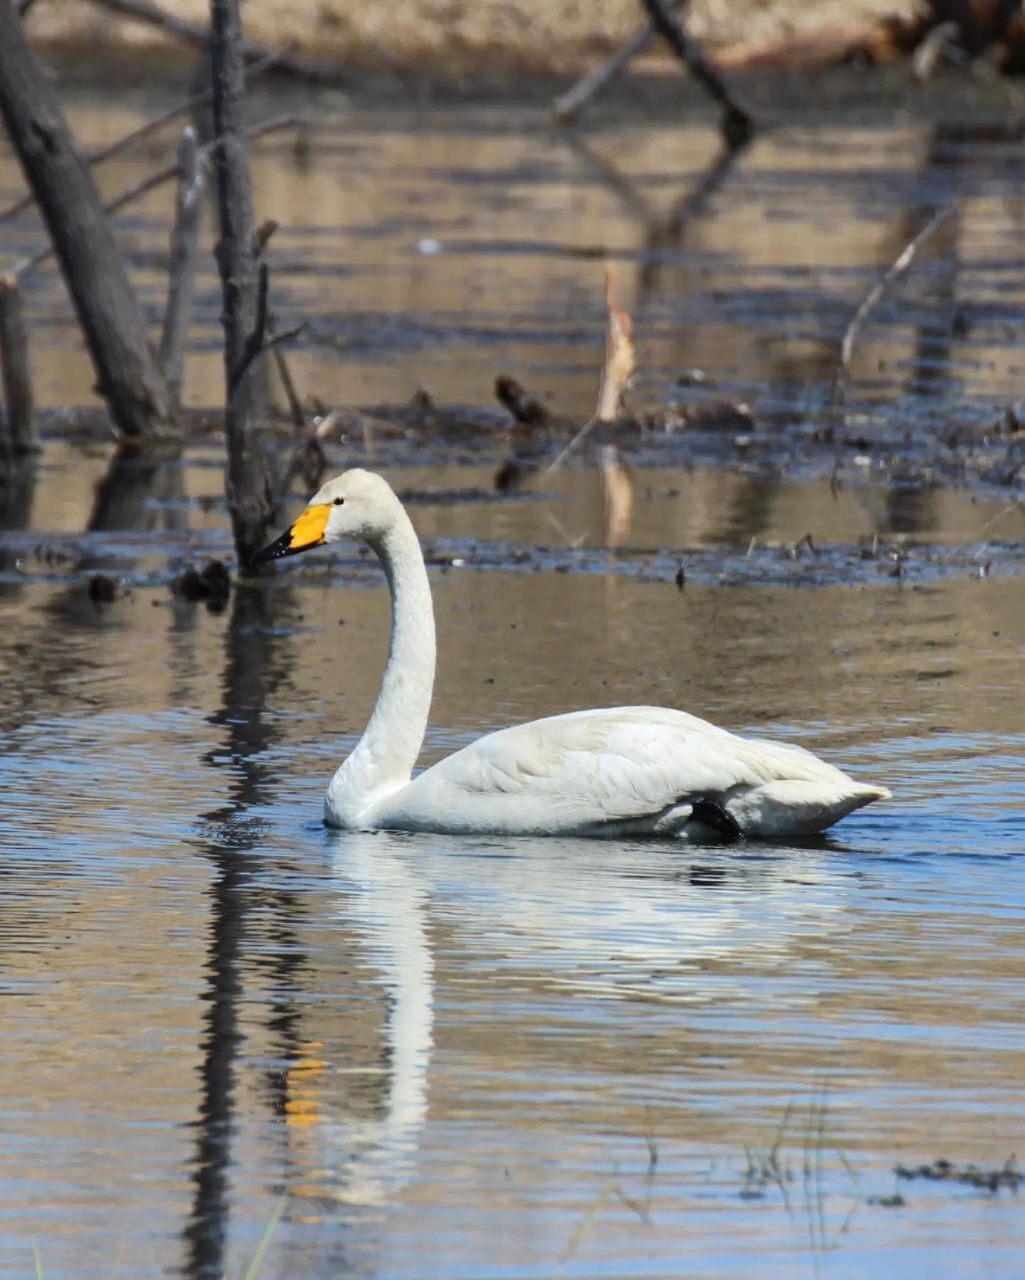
[
  {"x": 568, "y": 105},
  {"x": 157, "y": 179},
  {"x": 737, "y": 125},
  {"x": 875, "y": 295},
  {"x": 182, "y": 272},
  {"x": 262, "y": 235},
  {"x": 144, "y": 130},
  {"x": 295, "y": 404},
  {"x": 198, "y": 34}
]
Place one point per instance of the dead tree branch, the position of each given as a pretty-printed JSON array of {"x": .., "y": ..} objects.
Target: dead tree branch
[
  {"x": 128, "y": 377},
  {"x": 182, "y": 272},
  {"x": 156, "y": 179},
  {"x": 295, "y": 404},
  {"x": 736, "y": 125},
  {"x": 144, "y": 131},
  {"x": 568, "y": 105},
  {"x": 195, "y": 33},
  {"x": 872, "y": 299}
]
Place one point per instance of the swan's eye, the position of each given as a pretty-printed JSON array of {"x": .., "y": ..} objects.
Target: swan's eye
[{"x": 339, "y": 501}]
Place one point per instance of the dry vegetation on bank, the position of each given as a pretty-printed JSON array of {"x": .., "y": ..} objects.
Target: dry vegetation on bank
[{"x": 452, "y": 36}]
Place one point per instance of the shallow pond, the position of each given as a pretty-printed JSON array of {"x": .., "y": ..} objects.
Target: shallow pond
[{"x": 393, "y": 1056}]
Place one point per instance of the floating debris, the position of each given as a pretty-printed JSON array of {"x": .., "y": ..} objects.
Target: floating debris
[
  {"x": 1006, "y": 1175},
  {"x": 103, "y": 589},
  {"x": 211, "y": 584}
]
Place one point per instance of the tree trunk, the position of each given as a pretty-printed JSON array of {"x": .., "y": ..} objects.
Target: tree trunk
[
  {"x": 17, "y": 420},
  {"x": 127, "y": 373},
  {"x": 249, "y": 487}
]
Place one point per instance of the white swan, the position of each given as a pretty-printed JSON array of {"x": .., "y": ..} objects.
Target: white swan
[{"x": 610, "y": 772}]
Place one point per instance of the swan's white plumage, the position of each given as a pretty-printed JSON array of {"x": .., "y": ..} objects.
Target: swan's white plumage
[
  {"x": 605, "y": 772},
  {"x": 621, "y": 770}
]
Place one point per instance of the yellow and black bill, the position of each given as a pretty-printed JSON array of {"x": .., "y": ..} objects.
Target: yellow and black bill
[{"x": 307, "y": 531}]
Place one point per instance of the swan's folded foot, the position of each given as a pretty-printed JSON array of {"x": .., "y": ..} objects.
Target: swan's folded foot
[{"x": 712, "y": 814}]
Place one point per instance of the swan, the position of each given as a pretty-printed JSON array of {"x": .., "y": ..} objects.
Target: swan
[{"x": 618, "y": 771}]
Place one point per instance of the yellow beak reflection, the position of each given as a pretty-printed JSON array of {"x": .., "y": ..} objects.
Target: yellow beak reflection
[{"x": 307, "y": 531}]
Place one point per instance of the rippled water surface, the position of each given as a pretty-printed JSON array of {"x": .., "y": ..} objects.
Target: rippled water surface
[{"x": 394, "y": 1056}]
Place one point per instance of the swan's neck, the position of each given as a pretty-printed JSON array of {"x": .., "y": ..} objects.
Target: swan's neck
[{"x": 384, "y": 757}]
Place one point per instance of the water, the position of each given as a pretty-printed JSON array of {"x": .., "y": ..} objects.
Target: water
[{"x": 399, "y": 1056}]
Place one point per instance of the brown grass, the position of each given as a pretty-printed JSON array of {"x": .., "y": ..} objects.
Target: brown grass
[{"x": 454, "y": 35}]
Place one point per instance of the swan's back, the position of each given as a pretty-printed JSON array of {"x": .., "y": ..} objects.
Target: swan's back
[{"x": 626, "y": 770}]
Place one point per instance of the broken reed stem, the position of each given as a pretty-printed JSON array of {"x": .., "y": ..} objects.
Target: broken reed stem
[
  {"x": 127, "y": 140},
  {"x": 182, "y": 271},
  {"x": 157, "y": 179},
  {"x": 736, "y": 125},
  {"x": 17, "y": 420},
  {"x": 875, "y": 295},
  {"x": 567, "y": 106}
]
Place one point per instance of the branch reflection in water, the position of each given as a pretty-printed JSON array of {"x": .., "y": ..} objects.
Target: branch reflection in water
[
  {"x": 255, "y": 670},
  {"x": 336, "y": 1151}
]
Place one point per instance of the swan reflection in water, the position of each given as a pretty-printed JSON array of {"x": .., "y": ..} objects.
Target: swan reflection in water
[{"x": 632, "y": 920}]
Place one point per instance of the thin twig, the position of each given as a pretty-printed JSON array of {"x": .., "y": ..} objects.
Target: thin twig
[
  {"x": 182, "y": 272},
  {"x": 737, "y": 126},
  {"x": 262, "y": 235},
  {"x": 149, "y": 127},
  {"x": 295, "y": 404},
  {"x": 564, "y": 453},
  {"x": 267, "y": 345},
  {"x": 198, "y": 34},
  {"x": 154, "y": 180},
  {"x": 875, "y": 294},
  {"x": 567, "y": 106}
]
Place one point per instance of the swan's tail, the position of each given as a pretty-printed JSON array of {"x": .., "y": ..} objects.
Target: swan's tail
[{"x": 785, "y": 807}]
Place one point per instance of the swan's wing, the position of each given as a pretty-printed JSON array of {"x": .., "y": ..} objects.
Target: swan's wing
[{"x": 597, "y": 767}]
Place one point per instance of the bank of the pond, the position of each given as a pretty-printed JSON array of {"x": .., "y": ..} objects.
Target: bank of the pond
[{"x": 452, "y": 39}]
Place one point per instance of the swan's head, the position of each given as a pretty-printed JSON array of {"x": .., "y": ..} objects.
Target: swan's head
[{"x": 355, "y": 505}]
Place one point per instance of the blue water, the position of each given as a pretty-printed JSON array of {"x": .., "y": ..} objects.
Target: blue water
[{"x": 424, "y": 1056}]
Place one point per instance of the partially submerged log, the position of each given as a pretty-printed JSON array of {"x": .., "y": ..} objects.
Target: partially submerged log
[{"x": 128, "y": 377}]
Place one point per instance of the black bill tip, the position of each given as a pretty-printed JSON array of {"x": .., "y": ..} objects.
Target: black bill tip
[{"x": 279, "y": 547}]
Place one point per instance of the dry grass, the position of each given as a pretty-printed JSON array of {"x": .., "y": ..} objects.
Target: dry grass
[{"x": 453, "y": 35}]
